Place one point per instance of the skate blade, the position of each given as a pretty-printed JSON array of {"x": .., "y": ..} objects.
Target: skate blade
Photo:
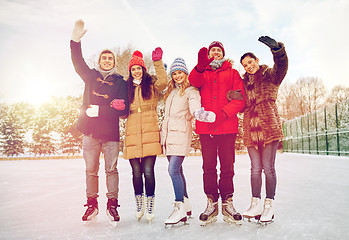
[
  {"x": 183, "y": 220},
  {"x": 113, "y": 223},
  {"x": 212, "y": 220},
  {"x": 91, "y": 221},
  {"x": 233, "y": 221},
  {"x": 252, "y": 218},
  {"x": 265, "y": 223}
]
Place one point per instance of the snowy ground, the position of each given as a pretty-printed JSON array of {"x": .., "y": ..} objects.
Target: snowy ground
[{"x": 43, "y": 199}]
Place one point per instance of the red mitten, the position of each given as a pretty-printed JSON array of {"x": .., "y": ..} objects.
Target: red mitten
[
  {"x": 157, "y": 54},
  {"x": 118, "y": 104},
  {"x": 203, "y": 60}
]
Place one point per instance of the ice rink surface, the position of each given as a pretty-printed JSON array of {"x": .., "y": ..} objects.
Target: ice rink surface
[{"x": 43, "y": 199}]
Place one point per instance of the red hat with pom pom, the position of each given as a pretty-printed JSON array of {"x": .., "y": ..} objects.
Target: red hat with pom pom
[{"x": 137, "y": 59}]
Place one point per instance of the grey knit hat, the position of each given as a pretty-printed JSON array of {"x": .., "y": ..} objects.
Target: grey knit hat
[{"x": 179, "y": 64}]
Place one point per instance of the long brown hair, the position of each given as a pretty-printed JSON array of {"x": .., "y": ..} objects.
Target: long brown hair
[{"x": 145, "y": 84}]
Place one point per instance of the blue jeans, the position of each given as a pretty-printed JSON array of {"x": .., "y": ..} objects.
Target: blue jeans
[
  {"x": 143, "y": 166},
  {"x": 92, "y": 149},
  {"x": 222, "y": 146},
  {"x": 263, "y": 158},
  {"x": 175, "y": 171}
]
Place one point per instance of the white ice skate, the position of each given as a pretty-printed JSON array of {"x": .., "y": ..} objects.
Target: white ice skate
[
  {"x": 149, "y": 213},
  {"x": 187, "y": 207},
  {"x": 178, "y": 215},
  {"x": 140, "y": 206},
  {"x": 268, "y": 213},
  {"x": 255, "y": 210}
]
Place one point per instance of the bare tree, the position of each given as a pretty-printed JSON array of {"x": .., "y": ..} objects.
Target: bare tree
[{"x": 338, "y": 94}]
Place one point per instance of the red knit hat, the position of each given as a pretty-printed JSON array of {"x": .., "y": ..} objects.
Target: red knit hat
[
  {"x": 137, "y": 59},
  {"x": 216, "y": 44}
]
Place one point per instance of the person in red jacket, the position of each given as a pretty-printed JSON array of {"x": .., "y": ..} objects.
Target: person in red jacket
[{"x": 214, "y": 76}]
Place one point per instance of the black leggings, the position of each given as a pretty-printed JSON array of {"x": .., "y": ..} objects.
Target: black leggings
[{"x": 144, "y": 166}]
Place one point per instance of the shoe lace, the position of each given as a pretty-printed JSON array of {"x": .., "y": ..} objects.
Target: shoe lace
[
  {"x": 209, "y": 208},
  {"x": 150, "y": 204},
  {"x": 175, "y": 210}
]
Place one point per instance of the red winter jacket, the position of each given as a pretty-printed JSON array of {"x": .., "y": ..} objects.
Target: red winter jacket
[{"x": 214, "y": 86}]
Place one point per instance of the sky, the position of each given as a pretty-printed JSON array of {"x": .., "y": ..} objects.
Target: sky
[{"x": 35, "y": 55}]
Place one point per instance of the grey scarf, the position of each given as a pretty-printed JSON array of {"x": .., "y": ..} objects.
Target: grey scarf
[{"x": 215, "y": 64}]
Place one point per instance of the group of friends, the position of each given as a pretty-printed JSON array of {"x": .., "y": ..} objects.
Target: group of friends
[{"x": 212, "y": 93}]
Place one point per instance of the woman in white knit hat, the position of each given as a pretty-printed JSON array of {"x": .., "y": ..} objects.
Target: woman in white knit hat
[{"x": 183, "y": 102}]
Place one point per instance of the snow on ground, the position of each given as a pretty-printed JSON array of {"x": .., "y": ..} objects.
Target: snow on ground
[{"x": 43, "y": 199}]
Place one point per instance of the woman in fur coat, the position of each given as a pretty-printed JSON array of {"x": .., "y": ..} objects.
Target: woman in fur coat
[{"x": 262, "y": 125}]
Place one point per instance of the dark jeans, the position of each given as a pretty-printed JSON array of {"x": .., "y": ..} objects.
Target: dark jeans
[
  {"x": 263, "y": 158},
  {"x": 175, "y": 171},
  {"x": 143, "y": 166},
  {"x": 222, "y": 146}
]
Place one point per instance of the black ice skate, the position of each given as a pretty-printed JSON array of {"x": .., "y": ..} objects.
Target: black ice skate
[
  {"x": 210, "y": 213},
  {"x": 112, "y": 211},
  {"x": 229, "y": 213},
  {"x": 92, "y": 210}
]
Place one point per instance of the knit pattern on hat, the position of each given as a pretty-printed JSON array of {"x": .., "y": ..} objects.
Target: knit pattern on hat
[
  {"x": 217, "y": 44},
  {"x": 179, "y": 64},
  {"x": 137, "y": 59}
]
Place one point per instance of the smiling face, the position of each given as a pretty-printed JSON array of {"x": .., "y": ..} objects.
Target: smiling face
[
  {"x": 179, "y": 76},
  {"x": 137, "y": 72},
  {"x": 106, "y": 61},
  {"x": 250, "y": 65},
  {"x": 216, "y": 52}
]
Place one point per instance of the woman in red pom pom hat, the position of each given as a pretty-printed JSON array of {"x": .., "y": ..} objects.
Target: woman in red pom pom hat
[{"x": 142, "y": 135}]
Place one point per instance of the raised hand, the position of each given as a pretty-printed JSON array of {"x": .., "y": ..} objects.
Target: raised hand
[
  {"x": 203, "y": 60},
  {"x": 78, "y": 31},
  {"x": 157, "y": 54},
  {"x": 271, "y": 43}
]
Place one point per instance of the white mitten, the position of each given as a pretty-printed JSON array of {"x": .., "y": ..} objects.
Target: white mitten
[
  {"x": 92, "y": 111},
  {"x": 204, "y": 116},
  {"x": 78, "y": 31}
]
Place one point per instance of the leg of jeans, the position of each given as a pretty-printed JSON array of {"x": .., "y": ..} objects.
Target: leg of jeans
[
  {"x": 209, "y": 165},
  {"x": 256, "y": 171},
  {"x": 174, "y": 170},
  {"x": 137, "y": 175},
  {"x": 111, "y": 153},
  {"x": 268, "y": 159},
  {"x": 149, "y": 174},
  {"x": 226, "y": 153},
  {"x": 185, "y": 192},
  {"x": 91, "y": 148}
]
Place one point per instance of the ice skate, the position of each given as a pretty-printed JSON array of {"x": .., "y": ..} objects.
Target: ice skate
[
  {"x": 210, "y": 213},
  {"x": 112, "y": 211},
  {"x": 187, "y": 207},
  {"x": 149, "y": 212},
  {"x": 268, "y": 213},
  {"x": 140, "y": 206},
  {"x": 92, "y": 210},
  {"x": 229, "y": 213},
  {"x": 254, "y": 211},
  {"x": 178, "y": 215}
]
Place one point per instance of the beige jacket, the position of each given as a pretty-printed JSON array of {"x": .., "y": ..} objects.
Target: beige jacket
[
  {"x": 142, "y": 135},
  {"x": 176, "y": 131}
]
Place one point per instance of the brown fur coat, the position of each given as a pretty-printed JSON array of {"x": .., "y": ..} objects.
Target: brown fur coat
[{"x": 262, "y": 123}]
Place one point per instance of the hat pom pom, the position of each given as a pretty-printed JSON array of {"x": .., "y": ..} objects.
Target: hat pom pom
[{"x": 137, "y": 54}]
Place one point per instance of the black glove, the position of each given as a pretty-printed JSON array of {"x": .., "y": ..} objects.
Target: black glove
[
  {"x": 235, "y": 95},
  {"x": 269, "y": 42}
]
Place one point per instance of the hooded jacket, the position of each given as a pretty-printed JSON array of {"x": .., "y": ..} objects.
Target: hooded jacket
[
  {"x": 214, "y": 86},
  {"x": 142, "y": 134},
  {"x": 99, "y": 91}
]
